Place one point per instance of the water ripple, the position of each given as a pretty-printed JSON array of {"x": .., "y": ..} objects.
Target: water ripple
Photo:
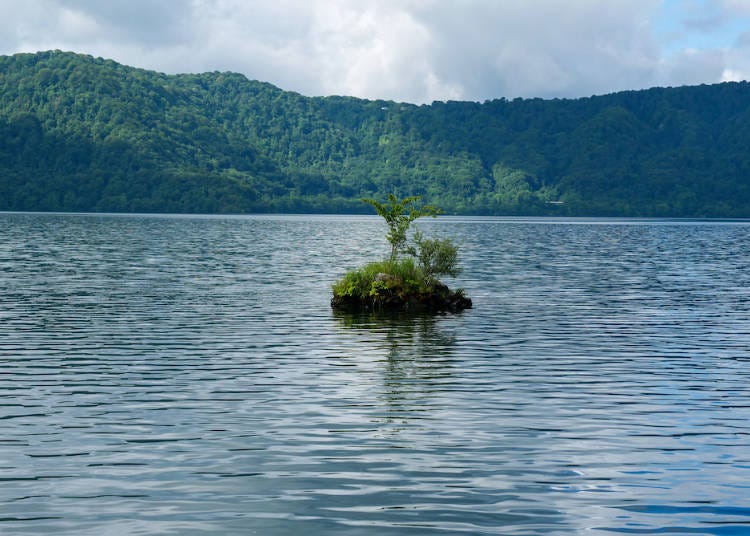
[{"x": 184, "y": 375}]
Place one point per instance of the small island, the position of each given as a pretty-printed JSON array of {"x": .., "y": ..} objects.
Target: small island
[{"x": 407, "y": 281}]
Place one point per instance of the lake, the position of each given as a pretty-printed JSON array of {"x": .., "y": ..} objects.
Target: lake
[{"x": 186, "y": 375}]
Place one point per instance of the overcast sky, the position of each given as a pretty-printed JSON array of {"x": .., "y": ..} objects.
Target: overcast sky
[{"x": 407, "y": 50}]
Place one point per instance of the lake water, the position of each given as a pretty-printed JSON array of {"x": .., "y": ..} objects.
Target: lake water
[{"x": 185, "y": 375}]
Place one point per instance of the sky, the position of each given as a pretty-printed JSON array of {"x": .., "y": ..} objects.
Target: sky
[{"x": 415, "y": 51}]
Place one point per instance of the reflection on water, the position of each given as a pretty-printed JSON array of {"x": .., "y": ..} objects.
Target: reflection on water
[
  {"x": 417, "y": 356},
  {"x": 185, "y": 375},
  {"x": 405, "y": 336}
]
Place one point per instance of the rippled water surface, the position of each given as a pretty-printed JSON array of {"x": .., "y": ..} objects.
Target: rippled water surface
[{"x": 185, "y": 375}]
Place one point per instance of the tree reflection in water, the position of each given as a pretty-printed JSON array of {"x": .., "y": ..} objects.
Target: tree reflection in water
[{"x": 418, "y": 357}]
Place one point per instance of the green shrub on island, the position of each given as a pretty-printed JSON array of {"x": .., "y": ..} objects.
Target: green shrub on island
[{"x": 408, "y": 279}]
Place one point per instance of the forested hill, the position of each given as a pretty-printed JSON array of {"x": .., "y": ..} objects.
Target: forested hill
[{"x": 85, "y": 134}]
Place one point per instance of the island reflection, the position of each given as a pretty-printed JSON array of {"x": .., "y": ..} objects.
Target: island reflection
[{"x": 417, "y": 355}]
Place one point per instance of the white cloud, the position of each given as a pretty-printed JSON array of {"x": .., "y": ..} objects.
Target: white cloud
[
  {"x": 413, "y": 50},
  {"x": 692, "y": 67},
  {"x": 379, "y": 50},
  {"x": 77, "y": 26},
  {"x": 737, "y": 65},
  {"x": 555, "y": 49}
]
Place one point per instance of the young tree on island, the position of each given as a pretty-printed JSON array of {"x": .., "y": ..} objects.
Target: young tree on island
[
  {"x": 398, "y": 220},
  {"x": 400, "y": 283}
]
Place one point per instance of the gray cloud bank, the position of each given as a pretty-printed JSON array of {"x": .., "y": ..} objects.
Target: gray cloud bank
[{"x": 407, "y": 50}]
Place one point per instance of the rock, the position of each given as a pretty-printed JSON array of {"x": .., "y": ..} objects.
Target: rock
[{"x": 440, "y": 299}]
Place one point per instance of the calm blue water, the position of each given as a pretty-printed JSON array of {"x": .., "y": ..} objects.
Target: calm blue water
[{"x": 185, "y": 375}]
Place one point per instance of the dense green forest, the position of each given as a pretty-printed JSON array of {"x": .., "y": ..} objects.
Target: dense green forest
[{"x": 79, "y": 133}]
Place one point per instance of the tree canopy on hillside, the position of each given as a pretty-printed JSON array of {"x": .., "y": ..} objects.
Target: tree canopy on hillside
[{"x": 83, "y": 133}]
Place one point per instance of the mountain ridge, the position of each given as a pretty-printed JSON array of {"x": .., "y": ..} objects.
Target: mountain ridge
[{"x": 79, "y": 133}]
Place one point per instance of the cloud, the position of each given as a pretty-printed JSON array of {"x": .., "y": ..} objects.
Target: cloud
[
  {"x": 382, "y": 49},
  {"x": 410, "y": 50},
  {"x": 154, "y": 23},
  {"x": 562, "y": 49},
  {"x": 737, "y": 65},
  {"x": 693, "y": 67},
  {"x": 435, "y": 50},
  {"x": 123, "y": 30},
  {"x": 710, "y": 43}
]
